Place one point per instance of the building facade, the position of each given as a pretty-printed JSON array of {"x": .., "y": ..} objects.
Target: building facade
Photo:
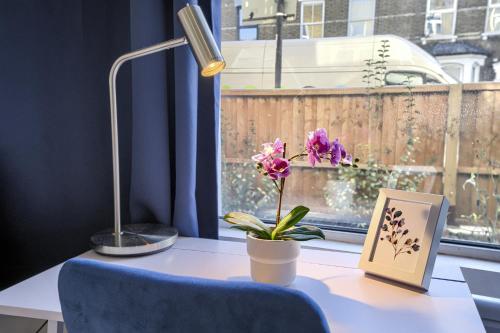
[{"x": 464, "y": 35}]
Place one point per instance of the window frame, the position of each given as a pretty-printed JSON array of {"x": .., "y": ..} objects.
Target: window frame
[
  {"x": 463, "y": 248},
  {"x": 454, "y": 25},
  {"x": 488, "y": 8},
  {"x": 349, "y": 20},
  {"x": 302, "y": 23}
]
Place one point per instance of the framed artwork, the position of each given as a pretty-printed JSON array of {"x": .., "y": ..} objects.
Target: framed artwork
[{"x": 403, "y": 237}]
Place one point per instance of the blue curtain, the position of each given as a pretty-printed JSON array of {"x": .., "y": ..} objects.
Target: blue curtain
[
  {"x": 175, "y": 125},
  {"x": 55, "y": 146}
]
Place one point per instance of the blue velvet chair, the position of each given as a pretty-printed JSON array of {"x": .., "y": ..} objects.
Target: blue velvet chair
[{"x": 98, "y": 297}]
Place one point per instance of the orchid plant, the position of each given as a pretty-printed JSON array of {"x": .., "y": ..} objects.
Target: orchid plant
[{"x": 272, "y": 162}]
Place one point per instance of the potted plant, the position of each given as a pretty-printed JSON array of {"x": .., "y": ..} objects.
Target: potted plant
[{"x": 273, "y": 249}]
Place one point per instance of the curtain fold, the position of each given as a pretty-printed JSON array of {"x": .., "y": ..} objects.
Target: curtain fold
[{"x": 174, "y": 175}]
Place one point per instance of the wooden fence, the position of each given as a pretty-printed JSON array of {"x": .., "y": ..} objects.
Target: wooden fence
[{"x": 456, "y": 129}]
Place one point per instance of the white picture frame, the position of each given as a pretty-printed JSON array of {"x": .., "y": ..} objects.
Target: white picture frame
[{"x": 404, "y": 251}]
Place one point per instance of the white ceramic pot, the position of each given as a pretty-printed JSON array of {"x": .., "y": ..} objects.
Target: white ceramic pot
[{"x": 273, "y": 261}]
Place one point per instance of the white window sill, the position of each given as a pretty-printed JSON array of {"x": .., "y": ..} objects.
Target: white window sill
[
  {"x": 448, "y": 263},
  {"x": 452, "y": 38},
  {"x": 486, "y": 35}
]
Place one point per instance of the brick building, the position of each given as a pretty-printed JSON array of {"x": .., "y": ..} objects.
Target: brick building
[{"x": 464, "y": 35}]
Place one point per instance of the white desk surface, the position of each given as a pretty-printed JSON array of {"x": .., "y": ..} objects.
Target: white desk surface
[{"x": 351, "y": 302}]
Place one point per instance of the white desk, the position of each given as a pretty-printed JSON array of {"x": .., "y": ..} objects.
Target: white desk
[{"x": 351, "y": 302}]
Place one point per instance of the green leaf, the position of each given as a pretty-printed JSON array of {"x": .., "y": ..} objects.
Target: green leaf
[
  {"x": 290, "y": 220},
  {"x": 300, "y": 237},
  {"x": 245, "y": 219},
  {"x": 261, "y": 234},
  {"x": 303, "y": 231}
]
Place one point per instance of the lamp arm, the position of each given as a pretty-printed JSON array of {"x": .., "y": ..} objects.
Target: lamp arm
[{"x": 114, "y": 118}]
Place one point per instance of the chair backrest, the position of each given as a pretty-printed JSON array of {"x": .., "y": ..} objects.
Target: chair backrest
[{"x": 98, "y": 297}]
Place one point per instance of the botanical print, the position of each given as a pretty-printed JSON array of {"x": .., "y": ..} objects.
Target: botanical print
[{"x": 397, "y": 234}]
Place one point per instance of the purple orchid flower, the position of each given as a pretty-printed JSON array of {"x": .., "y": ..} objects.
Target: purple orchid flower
[
  {"x": 336, "y": 153},
  {"x": 347, "y": 159},
  {"x": 317, "y": 145},
  {"x": 269, "y": 150},
  {"x": 277, "y": 168}
]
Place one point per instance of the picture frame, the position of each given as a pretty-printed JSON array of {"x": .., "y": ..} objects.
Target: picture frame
[{"x": 403, "y": 236}]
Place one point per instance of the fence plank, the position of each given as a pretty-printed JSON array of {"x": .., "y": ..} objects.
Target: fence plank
[{"x": 452, "y": 143}]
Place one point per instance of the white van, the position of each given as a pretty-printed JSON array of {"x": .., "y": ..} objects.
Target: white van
[{"x": 326, "y": 63}]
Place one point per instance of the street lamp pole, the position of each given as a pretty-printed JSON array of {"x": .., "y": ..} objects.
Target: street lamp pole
[{"x": 280, "y": 16}]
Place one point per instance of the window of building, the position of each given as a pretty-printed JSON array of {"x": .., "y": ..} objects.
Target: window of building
[
  {"x": 312, "y": 15},
  {"x": 246, "y": 32},
  {"x": 464, "y": 68},
  {"x": 456, "y": 71},
  {"x": 361, "y": 17},
  {"x": 441, "y": 18},
  {"x": 493, "y": 17}
]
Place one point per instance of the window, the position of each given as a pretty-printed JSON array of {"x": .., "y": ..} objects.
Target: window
[
  {"x": 361, "y": 17},
  {"x": 404, "y": 78},
  {"x": 440, "y": 19},
  {"x": 455, "y": 71},
  {"x": 464, "y": 68},
  {"x": 475, "y": 72},
  {"x": 250, "y": 32},
  {"x": 493, "y": 17},
  {"x": 311, "y": 19},
  {"x": 393, "y": 106}
]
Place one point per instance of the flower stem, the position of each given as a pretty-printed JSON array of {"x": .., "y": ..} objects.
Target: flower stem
[
  {"x": 276, "y": 184},
  {"x": 282, "y": 187},
  {"x": 297, "y": 156}
]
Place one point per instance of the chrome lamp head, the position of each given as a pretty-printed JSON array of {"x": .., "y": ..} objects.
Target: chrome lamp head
[{"x": 202, "y": 41}]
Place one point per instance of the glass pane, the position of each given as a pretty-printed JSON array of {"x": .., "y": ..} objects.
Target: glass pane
[
  {"x": 315, "y": 31},
  {"x": 440, "y": 23},
  {"x": 312, "y": 31},
  {"x": 442, "y": 4},
  {"x": 361, "y": 28},
  {"x": 403, "y": 78},
  {"x": 447, "y": 23},
  {"x": 455, "y": 71},
  {"x": 356, "y": 28},
  {"x": 318, "y": 12},
  {"x": 495, "y": 2},
  {"x": 249, "y": 33},
  {"x": 361, "y": 10},
  {"x": 307, "y": 13},
  {"x": 493, "y": 20},
  {"x": 379, "y": 98}
]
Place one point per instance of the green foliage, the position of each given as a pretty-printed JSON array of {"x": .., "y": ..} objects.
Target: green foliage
[
  {"x": 374, "y": 73},
  {"x": 285, "y": 230},
  {"x": 240, "y": 186},
  {"x": 480, "y": 216},
  {"x": 485, "y": 213}
]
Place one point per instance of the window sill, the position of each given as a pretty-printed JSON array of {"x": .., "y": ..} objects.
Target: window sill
[
  {"x": 450, "y": 258},
  {"x": 452, "y": 38},
  {"x": 486, "y": 35}
]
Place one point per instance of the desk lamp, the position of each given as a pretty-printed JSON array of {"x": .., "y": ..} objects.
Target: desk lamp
[{"x": 145, "y": 238}]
